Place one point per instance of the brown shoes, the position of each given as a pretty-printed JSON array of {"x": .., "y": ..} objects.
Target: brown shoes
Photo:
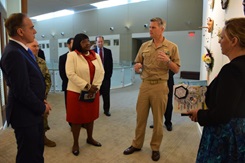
[
  {"x": 155, "y": 155},
  {"x": 130, "y": 150},
  {"x": 48, "y": 142}
]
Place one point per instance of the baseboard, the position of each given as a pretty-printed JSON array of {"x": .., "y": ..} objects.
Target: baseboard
[
  {"x": 199, "y": 128},
  {"x": 4, "y": 126}
]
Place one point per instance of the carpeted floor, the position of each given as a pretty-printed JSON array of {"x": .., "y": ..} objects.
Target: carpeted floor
[{"x": 115, "y": 133}]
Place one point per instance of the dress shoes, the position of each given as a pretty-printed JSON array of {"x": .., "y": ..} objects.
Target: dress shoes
[
  {"x": 76, "y": 152},
  {"x": 108, "y": 114},
  {"x": 94, "y": 143},
  {"x": 49, "y": 143},
  {"x": 130, "y": 150},
  {"x": 155, "y": 155},
  {"x": 169, "y": 127}
]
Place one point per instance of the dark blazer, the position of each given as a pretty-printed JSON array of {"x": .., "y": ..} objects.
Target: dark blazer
[
  {"x": 26, "y": 84},
  {"x": 62, "y": 70},
  {"x": 225, "y": 95},
  {"x": 108, "y": 62},
  {"x": 41, "y": 54}
]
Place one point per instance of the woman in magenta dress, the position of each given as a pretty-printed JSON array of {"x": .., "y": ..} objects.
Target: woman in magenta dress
[{"x": 85, "y": 72}]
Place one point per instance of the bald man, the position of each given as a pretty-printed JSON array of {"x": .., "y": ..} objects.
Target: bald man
[{"x": 34, "y": 47}]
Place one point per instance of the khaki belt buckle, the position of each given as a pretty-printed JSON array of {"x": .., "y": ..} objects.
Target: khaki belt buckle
[{"x": 153, "y": 81}]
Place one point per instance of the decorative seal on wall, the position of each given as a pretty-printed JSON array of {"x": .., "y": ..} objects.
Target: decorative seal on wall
[
  {"x": 224, "y": 4},
  {"x": 211, "y": 3},
  {"x": 210, "y": 23}
]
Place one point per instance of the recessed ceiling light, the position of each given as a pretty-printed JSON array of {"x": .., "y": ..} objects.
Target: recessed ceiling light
[
  {"x": 112, "y": 3},
  {"x": 53, "y": 15}
]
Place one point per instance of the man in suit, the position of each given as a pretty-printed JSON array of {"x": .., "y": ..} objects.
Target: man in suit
[
  {"x": 106, "y": 57},
  {"x": 26, "y": 97},
  {"x": 41, "y": 54},
  {"x": 62, "y": 64},
  {"x": 34, "y": 47}
]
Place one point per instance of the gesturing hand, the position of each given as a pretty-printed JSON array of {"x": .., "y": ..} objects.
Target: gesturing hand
[
  {"x": 162, "y": 56},
  {"x": 137, "y": 67}
]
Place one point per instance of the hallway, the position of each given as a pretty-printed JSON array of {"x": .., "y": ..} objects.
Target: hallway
[{"x": 115, "y": 133}]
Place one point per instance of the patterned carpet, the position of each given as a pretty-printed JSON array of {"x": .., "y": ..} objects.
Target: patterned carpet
[{"x": 115, "y": 133}]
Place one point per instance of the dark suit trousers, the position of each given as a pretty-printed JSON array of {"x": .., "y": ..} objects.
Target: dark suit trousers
[
  {"x": 169, "y": 108},
  {"x": 30, "y": 144},
  {"x": 105, "y": 92}
]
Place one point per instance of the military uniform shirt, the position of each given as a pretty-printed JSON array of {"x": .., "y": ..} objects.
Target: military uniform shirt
[
  {"x": 154, "y": 69},
  {"x": 44, "y": 69}
]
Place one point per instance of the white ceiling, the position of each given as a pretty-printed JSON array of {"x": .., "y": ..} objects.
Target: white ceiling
[{"x": 38, "y": 7}]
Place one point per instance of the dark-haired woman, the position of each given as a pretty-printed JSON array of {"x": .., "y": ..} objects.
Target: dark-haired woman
[{"x": 85, "y": 72}]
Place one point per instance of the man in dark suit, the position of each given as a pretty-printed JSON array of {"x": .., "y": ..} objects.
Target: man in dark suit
[
  {"x": 62, "y": 65},
  {"x": 169, "y": 108},
  {"x": 41, "y": 54},
  {"x": 26, "y": 103},
  {"x": 106, "y": 57}
]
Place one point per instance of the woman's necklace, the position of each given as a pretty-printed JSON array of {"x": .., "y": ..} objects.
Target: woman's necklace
[{"x": 87, "y": 54}]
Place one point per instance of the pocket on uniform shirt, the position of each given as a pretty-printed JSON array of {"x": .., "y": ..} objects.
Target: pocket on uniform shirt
[{"x": 147, "y": 57}]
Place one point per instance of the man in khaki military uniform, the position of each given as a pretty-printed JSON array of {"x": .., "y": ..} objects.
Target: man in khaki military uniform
[
  {"x": 34, "y": 47},
  {"x": 154, "y": 60}
]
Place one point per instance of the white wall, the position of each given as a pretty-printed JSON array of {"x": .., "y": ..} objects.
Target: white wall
[
  {"x": 4, "y": 4},
  {"x": 219, "y": 15},
  {"x": 13, "y": 6},
  {"x": 210, "y": 40}
]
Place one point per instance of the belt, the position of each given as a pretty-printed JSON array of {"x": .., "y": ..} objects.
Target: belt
[{"x": 154, "y": 81}]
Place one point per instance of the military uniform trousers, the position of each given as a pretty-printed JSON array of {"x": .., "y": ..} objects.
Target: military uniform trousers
[
  {"x": 154, "y": 95},
  {"x": 45, "y": 122}
]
